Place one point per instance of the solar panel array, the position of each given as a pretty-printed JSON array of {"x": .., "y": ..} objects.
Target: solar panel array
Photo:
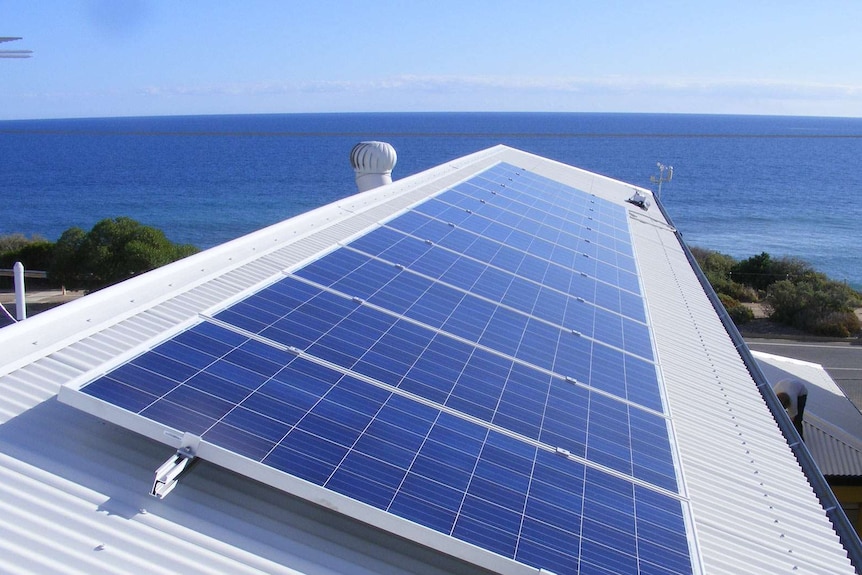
[{"x": 480, "y": 364}]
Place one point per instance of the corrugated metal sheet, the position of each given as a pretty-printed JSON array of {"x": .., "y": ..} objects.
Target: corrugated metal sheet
[
  {"x": 832, "y": 424},
  {"x": 754, "y": 511},
  {"x": 73, "y": 489},
  {"x": 837, "y": 454}
]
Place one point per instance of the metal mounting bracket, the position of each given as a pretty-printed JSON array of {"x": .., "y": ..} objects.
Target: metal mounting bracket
[{"x": 169, "y": 472}]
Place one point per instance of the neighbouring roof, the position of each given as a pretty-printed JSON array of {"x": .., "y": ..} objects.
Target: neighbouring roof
[
  {"x": 74, "y": 487},
  {"x": 832, "y": 424}
]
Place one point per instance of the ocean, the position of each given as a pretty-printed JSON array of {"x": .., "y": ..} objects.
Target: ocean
[{"x": 789, "y": 186}]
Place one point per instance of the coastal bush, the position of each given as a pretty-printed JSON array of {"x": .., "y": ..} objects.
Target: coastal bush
[
  {"x": 735, "y": 290},
  {"x": 815, "y": 304},
  {"x": 14, "y": 242},
  {"x": 739, "y": 313},
  {"x": 34, "y": 254},
  {"x": 714, "y": 264},
  {"x": 717, "y": 268},
  {"x": 66, "y": 266},
  {"x": 113, "y": 250},
  {"x": 761, "y": 271},
  {"x": 793, "y": 292}
]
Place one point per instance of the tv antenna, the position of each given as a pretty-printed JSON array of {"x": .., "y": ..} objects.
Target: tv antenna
[
  {"x": 661, "y": 177},
  {"x": 13, "y": 53}
]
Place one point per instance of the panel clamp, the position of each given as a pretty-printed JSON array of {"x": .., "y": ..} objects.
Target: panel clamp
[{"x": 176, "y": 466}]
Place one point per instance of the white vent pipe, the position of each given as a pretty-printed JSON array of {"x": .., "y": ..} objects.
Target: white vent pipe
[{"x": 20, "y": 305}]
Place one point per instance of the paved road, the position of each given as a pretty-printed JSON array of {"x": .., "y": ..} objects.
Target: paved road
[{"x": 841, "y": 359}]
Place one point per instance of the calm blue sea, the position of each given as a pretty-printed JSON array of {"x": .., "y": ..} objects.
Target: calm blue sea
[{"x": 742, "y": 184}]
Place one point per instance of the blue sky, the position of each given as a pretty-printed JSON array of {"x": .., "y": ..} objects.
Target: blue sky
[{"x": 136, "y": 57}]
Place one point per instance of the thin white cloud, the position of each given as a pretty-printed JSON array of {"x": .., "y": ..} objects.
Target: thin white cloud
[
  {"x": 470, "y": 93},
  {"x": 459, "y": 84}
]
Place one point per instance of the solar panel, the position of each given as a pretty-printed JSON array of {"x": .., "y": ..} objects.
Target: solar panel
[{"x": 480, "y": 365}]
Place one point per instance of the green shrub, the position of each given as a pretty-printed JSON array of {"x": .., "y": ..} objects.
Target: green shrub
[
  {"x": 34, "y": 256},
  {"x": 739, "y": 313},
  {"x": 815, "y": 304},
  {"x": 67, "y": 266},
  {"x": 735, "y": 290},
  {"x": 797, "y": 295},
  {"x": 755, "y": 271},
  {"x": 761, "y": 271},
  {"x": 717, "y": 267},
  {"x": 14, "y": 242},
  {"x": 833, "y": 324},
  {"x": 714, "y": 264},
  {"x": 114, "y": 250}
]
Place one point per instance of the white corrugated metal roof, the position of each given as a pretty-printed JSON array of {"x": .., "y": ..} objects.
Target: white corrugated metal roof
[
  {"x": 73, "y": 489},
  {"x": 837, "y": 453},
  {"x": 744, "y": 484}
]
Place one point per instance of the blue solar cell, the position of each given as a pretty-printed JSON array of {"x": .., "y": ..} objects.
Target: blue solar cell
[
  {"x": 442, "y": 211},
  {"x": 306, "y": 456},
  {"x": 661, "y": 536},
  {"x": 421, "y": 509},
  {"x": 628, "y": 281},
  {"x": 492, "y": 284},
  {"x": 362, "y": 471},
  {"x": 461, "y": 195},
  {"x": 504, "y": 332},
  {"x": 389, "y": 427},
  {"x": 178, "y": 417},
  {"x": 534, "y": 269},
  {"x": 270, "y": 427},
  {"x": 165, "y": 366},
  {"x": 380, "y": 449},
  {"x": 254, "y": 362},
  {"x": 272, "y": 408},
  {"x": 488, "y": 226},
  {"x": 637, "y": 340},
  {"x": 642, "y": 383},
  {"x": 487, "y": 525},
  {"x": 598, "y": 559},
  {"x": 573, "y": 356},
  {"x": 631, "y": 305},
  {"x": 559, "y": 555},
  {"x": 199, "y": 401},
  {"x": 144, "y": 380},
  {"x": 559, "y": 516},
  {"x": 435, "y": 453},
  {"x": 237, "y": 318},
  {"x": 607, "y": 371},
  {"x": 185, "y": 354},
  {"x": 237, "y": 374},
  {"x": 116, "y": 392},
  {"x": 200, "y": 344},
  {"x": 462, "y": 273},
  {"x": 538, "y": 344}
]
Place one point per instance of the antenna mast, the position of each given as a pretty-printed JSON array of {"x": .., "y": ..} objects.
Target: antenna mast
[{"x": 661, "y": 178}]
